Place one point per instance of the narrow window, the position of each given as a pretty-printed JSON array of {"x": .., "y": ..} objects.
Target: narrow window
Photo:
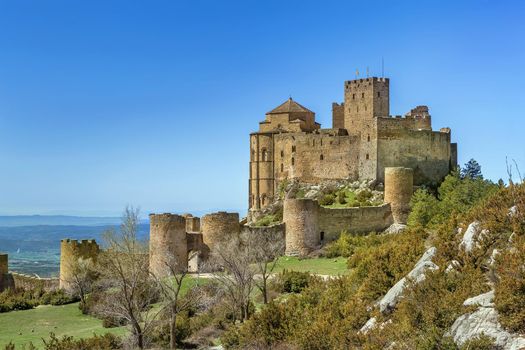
[
  {"x": 282, "y": 167},
  {"x": 368, "y": 138},
  {"x": 357, "y": 109},
  {"x": 264, "y": 155},
  {"x": 293, "y": 148},
  {"x": 263, "y": 199},
  {"x": 293, "y": 161},
  {"x": 353, "y": 96},
  {"x": 363, "y": 95},
  {"x": 322, "y": 236},
  {"x": 321, "y": 157},
  {"x": 282, "y": 154},
  {"x": 253, "y": 154},
  {"x": 378, "y": 94},
  {"x": 367, "y": 157},
  {"x": 365, "y": 108}
]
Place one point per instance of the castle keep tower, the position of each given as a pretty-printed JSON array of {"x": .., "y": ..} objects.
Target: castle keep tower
[
  {"x": 218, "y": 226},
  {"x": 301, "y": 217},
  {"x": 398, "y": 191},
  {"x": 71, "y": 251},
  {"x": 167, "y": 241},
  {"x": 365, "y": 101}
]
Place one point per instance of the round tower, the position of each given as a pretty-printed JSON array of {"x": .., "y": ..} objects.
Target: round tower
[
  {"x": 301, "y": 219},
  {"x": 216, "y": 227},
  {"x": 167, "y": 242},
  {"x": 70, "y": 251},
  {"x": 399, "y": 184}
]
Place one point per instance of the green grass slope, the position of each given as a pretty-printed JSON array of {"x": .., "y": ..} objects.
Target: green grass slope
[{"x": 22, "y": 327}]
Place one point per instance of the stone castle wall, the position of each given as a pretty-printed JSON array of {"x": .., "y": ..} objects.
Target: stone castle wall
[
  {"x": 427, "y": 152},
  {"x": 308, "y": 225},
  {"x": 168, "y": 242},
  {"x": 333, "y": 221},
  {"x": 70, "y": 252},
  {"x": 17, "y": 280}
]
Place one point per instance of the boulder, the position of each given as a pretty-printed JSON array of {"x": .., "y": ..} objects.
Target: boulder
[
  {"x": 395, "y": 228},
  {"x": 483, "y": 321},
  {"x": 389, "y": 301}
]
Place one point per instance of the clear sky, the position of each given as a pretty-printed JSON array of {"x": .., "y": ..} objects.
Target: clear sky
[{"x": 105, "y": 103}]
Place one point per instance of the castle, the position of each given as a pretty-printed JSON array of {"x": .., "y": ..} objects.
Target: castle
[{"x": 363, "y": 141}]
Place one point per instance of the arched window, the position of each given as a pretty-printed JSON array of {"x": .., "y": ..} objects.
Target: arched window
[
  {"x": 321, "y": 157},
  {"x": 322, "y": 236},
  {"x": 293, "y": 161},
  {"x": 264, "y": 154}
]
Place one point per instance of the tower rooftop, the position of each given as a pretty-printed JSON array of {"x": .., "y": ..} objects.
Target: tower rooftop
[{"x": 289, "y": 106}]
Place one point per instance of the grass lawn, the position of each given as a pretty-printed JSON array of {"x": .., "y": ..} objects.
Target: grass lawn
[
  {"x": 320, "y": 266},
  {"x": 21, "y": 327}
]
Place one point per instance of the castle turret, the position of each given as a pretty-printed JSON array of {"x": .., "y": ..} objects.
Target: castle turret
[
  {"x": 301, "y": 219},
  {"x": 71, "y": 251},
  {"x": 168, "y": 242},
  {"x": 398, "y": 192},
  {"x": 216, "y": 227}
]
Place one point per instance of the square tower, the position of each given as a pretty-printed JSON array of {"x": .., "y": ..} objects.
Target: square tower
[{"x": 365, "y": 99}]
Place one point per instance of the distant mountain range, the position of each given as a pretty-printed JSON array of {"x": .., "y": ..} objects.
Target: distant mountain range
[{"x": 55, "y": 220}]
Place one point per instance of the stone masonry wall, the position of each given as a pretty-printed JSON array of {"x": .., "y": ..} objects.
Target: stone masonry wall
[
  {"x": 353, "y": 220},
  {"x": 427, "y": 152},
  {"x": 218, "y": 226}
]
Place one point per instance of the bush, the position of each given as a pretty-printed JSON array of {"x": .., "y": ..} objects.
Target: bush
[
  {"x": 364, "y": 195},
  {"x": 510, "y": 287},
  {"x": 327, "y": 199},
  {"x": 341, "y": 197},
  {"x": 293, "y": 281},
  {"x": 101, "y": 342},
  {"x": 347, "y": 244}
]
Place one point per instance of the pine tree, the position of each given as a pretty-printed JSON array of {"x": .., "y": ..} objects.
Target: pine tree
[{"x": 471, "y": 170}]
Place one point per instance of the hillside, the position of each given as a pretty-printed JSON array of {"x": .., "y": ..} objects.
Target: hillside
[{"x": 453, "y": 280}]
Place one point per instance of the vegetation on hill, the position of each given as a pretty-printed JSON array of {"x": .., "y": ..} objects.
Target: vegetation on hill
[{"x": 329, "y": 314}]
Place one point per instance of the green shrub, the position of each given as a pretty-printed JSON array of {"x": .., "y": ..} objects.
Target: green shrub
[
  {"x": 510, "y": 287},
  {"x": 101, "y": 342},
  {"x": 293, "y": 281},
  {"x": 327, "y": 199},
  {"x": 364, "y": 195},
  {"x": 481, "y": 342},
  {"x": 424, "y": 206},
  {"x": 341, "y": 197},
  {"x": 347, "y": 244}
]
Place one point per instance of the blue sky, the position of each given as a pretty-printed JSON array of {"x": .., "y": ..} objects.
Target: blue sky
[{"x": 105, "y": 103}]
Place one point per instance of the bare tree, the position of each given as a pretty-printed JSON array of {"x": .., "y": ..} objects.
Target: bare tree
[
  {"x": 124, "y": 274},
  {"x": 267, "y": 247},
  {"x": 234, "y": 272},
  {"x": 83, "y": 276},
  {"x": 170, "y": 286}
]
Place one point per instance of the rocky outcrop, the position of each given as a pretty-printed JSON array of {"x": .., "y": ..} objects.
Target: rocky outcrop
[
  {"x": 472, "y": 235},
  {"x": 395, "y": 228},
  {"x": 484, "y": 321},
  {"x": 389, "y": 301}
]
